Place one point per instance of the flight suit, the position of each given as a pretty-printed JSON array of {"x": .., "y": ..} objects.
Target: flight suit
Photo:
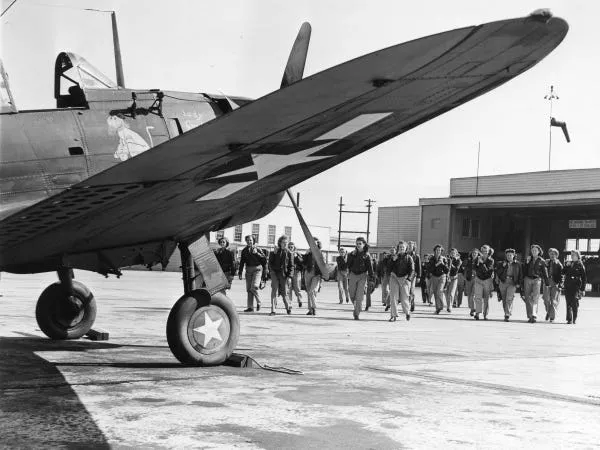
[
  {"x": 361, "y": 269},
  {"x": 342, "y": 278},
  {"x": 534, "y": 273},
  {"x": 452, "y": 282},
  {"x": 438, "y": 270},
  {"x": 417, "y": 261},
  {"x": 402, "y": 271},
  {"x": 295, "y": 283},
  {"x": 575, "y": 281},
  {"x": 281, "y": 266},
  {"x": 312, "y": 279},
  {"x": 255, "y": 262},
  {"x": 510, "y": 276},
  {"x": 469, "y": 273},
  {"x": 552, "y": 289},
  {"x": 483, "y": 286}
]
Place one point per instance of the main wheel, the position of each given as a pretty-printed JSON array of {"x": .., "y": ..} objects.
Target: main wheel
[
  {"x": 203, "y": 330},
  {"x": 63, "y": 316}
]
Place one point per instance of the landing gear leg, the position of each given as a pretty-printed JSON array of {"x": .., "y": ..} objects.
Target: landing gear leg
[
  {"x": 67, "y": 309},
  {"x": 203, "y": 327}
]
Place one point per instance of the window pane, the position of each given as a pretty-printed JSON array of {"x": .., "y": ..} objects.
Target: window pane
[
  {"x": 271, "y": 235},
  {"x": 220, "y": 234},
  {"x": 237, "y": 233},
  {"x": 594, "y": 245},
  {"x": 571, "y": 245},
  {"x": 475, "y": 228},
  {"x": 582, "y": 245},
  {"x": 466, "y": 225},
  {"x": 288, "y": 232},
  {"x": 256, "y": 231}
]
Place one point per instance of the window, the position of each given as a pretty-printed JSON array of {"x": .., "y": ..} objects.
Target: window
[
  {"x": 220, "y": 234},
  {"x": 582, "y": 245},
  {"x": 435, "y": 224},
  {"x": 288, "y": 232},
  {"x": 271, "y": 235},
  {"x": 594, "y": 245},
  {"x": 237, "y": 233},
  {"x": 470, "y": 228},
  {"x": 571, "y": 245},
  {"x": 256, "y": 231}
]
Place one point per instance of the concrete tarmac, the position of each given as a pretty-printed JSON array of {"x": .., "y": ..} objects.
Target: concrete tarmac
[{"x": 438, "y": 381}]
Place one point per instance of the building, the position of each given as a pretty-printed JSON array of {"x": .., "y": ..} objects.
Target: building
[{"x": 559, "y": 208}]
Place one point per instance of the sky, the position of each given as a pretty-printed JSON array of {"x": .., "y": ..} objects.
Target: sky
[{"x": 241, "y": 47}]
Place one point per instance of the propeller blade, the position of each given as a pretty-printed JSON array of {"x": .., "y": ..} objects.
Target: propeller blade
[
  {"x": 294, "y": 69},
  {"x": 316, "y": 251}
]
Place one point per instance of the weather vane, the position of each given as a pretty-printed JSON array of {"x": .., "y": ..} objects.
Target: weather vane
[{"x": 551, "y": 96}]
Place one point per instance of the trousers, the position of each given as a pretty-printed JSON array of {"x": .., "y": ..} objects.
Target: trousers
[
  {"x": 356, "y": 286},
  {"x": 253, "y": 277},
  {"x": 342, "y": 282},
  {"x": 437, "y": 290},
  {"x": 294, "y": 287},
  {"x": 399, "y": 291},
  {"x": 460, "y": 289},
  {"x": 551, "y": 299},
  {"x": 470, "y": 291},
  {"x": 385, "y": 290},
  {"x": 507, "y": 291},
  {"x": 312, "y": 287},
  {"x": 572, "y": 297},
  {"x": 483, "y": 290},
  {"x": 532, "y": 296},
  {"x": 278, "y": 287},
  {"x": 451, "y": 291}
]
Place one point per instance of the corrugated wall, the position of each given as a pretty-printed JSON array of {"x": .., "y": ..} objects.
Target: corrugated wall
[
  {"x": 528, "y": 183},
  {"x": 396, "y": 223}
]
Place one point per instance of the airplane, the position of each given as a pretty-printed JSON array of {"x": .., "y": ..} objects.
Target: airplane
[{"x": 115, "y": 177}]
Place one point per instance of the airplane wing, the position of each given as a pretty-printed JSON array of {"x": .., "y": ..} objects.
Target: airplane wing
[{"x": 201, "y": 181}]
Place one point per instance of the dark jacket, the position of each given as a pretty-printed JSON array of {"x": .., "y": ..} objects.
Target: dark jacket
[
  {"x": 575, "y": 276},
  {"x": 342, "y": 262},
  {"x": 555, "y": 271},
  {"x": 298, "y": 262},
  {"x": 484, "y": 269},
  {"x": 417, "y": 259},
  {"x": 536, "y": 269},
  {"x": 281, "y": 261},
  {"x": 384, "y": 268},
  {"x": 403, "y": 266},
  {"x": 226, "y": 260},
  {"x": 517, "y": 270},
  {"x": 252, "y": 260},
  {"x": 437, "y": 270},
  {"x": 310, "y": 263},
  {"x": 455, "y": 264},
  {"x": 468, "y": 268},
  {"x": 360, "y": 263}
]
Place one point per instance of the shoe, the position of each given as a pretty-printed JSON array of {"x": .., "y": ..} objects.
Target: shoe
[
  {"x": 448, "y": 309},
  {"x": 314, "y": 313},
  {"x": 248, "y": 310},
  {"x": 341, "y": 303},
  {"x": 309, "y": 313},
  {"x": 506, "y": 318},
  {"x": 387, "y": 308},
  {"x": 392, "y": 319},
  {"x": 407, "y": 317},
  {"x": 356, "y": 317},
  {"x": 551, "y": 320},
  {"x": 454, "y": 305},
  {"x": 574, "y": 321},
  {"x": 348, "y": 301},
  {"x": 569, "y": 322},
  {"x": 472, "y": 313},
  {"x": 437, "y": 311},
  {"x": 485, "y": 317},
  {"x": 533, "y": 320},
  {"x": 289, "y": 311},
  {"x": 272, "y": 313},
  {"x": 299, "y": 304},
  {"x": 477, "y": 316},
  {"x": 547, "y": 316},
  {"x": 258, "y": 307},
  {"x": 412, "y": 308},
  {"x": 366, "y": 308}
]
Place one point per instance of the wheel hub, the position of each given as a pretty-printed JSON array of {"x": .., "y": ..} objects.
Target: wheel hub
[
  {"x": 70, "y": 311},
  {"x": 209, "y": 329}
]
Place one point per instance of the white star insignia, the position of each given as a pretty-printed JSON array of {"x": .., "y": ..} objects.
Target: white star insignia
[{"x": 210, "y": 329}]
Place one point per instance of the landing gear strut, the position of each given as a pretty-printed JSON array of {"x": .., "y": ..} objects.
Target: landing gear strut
[
  {"x": 67, "y": 309},
  {"x": 203, "y": 327}
]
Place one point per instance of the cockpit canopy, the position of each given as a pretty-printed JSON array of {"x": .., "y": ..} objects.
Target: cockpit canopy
[{"x": 72, "y": 76}]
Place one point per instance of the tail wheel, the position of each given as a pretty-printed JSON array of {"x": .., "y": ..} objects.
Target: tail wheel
[
  {"x": 203, "y": 330},
  {"x": 63, "y": 316}
]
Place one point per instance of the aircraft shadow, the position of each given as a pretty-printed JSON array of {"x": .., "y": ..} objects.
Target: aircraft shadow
[{"x": 38, "y": 407}]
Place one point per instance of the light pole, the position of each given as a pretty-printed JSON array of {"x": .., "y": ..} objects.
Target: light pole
[{"x": 551, "y": 96}]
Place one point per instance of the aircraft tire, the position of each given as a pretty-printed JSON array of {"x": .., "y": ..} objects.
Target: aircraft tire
[
  {"x": 203, "y": 330},
  {"x": 62, "y": 318}
]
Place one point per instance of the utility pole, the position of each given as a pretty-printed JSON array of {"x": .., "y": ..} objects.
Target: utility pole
[
  {"x": 551, "y": 96},
  {"x": 369, "y": 203},
  {"x": 340, "y": 224}
]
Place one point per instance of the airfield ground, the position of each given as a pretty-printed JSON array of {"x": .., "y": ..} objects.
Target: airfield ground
[{"x": 435, "y": 382}]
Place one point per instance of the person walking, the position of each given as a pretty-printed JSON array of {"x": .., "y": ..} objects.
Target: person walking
[
  {"x": 295, "y": 284},
  {"x": 575, "y": 281},
  {"x": 226, "y": 260},
  {"x": 342, "y": 275},
  {"x": 255, "y": 261},
  {"x": 412, "y": 251},
  {"x": 460, "y": 285},
  {"x": 312, "y": 279},
  {"x": 509, "y": 275},
  {"x": 452, "y": 284},
  {"x": 555, "y": 283},
  {"x": 383, "y": 272},
  {"x": 281, "y": 268},
  {"x": 469, "y": 271},
  {"x": 535, "y": 272},
  {"x": 372, "y": 284},
  {"x": 425, "y": 279},
  {"x": 438, "y": 268},
  {"x": 360, "y": 271},
  {"x": 483, "y": 287},
  {"x": 402, "y": 272}
]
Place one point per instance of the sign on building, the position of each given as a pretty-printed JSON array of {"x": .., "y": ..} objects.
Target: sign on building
[{"x": 582, "y": 223}]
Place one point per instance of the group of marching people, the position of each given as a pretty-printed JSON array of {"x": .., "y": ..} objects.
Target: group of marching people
[{"x": 445, "y": 279}]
